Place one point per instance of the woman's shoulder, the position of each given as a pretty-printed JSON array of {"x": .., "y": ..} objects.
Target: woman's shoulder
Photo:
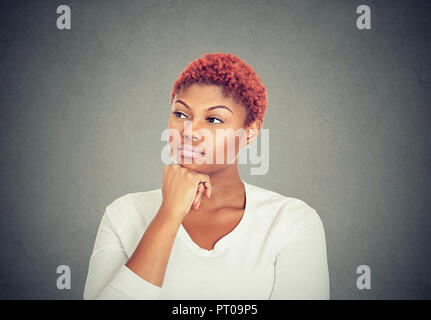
[
  {"x": 267, "y": 197},
  {"x": 286, "y": 210},
  {"x": 142, "y": 205},
  {"x": 284, "y": 216},
  {"x": 136, "y": 198}
]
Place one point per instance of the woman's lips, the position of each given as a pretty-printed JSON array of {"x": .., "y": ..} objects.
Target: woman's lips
[{"x": 190, "y": 153}]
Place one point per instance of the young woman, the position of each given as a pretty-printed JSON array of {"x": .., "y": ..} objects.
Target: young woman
[{"x": 206, "y": 233}]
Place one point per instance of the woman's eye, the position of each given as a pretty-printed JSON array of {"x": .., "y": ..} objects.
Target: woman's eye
[
  {"x": 178, "y": 114},
  {"x": 215, "y": 119}
]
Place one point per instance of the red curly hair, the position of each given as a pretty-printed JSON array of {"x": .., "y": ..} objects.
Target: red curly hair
[{"x": 237, "y": 79}]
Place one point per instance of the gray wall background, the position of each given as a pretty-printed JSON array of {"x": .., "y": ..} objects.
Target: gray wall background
[{"x": 82, "y": 112}]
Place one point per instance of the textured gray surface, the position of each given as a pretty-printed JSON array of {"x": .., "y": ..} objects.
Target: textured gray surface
[{"x": 82, "y": 112}]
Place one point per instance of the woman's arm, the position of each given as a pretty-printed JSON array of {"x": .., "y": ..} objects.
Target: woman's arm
[
  {"x": 112, "y": 275},
  {"x": 301, "y": 268},
  {"x": 151, "y": 256}
]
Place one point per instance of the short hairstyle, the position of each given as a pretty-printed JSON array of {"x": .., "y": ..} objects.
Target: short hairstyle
[{"x": 237, "y": 79}]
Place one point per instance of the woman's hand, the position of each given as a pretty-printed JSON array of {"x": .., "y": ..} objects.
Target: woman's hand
[{"x": 183, "y": 188}]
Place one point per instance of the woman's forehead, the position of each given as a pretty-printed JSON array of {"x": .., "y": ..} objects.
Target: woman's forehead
[{"x": 204, "y": 96}]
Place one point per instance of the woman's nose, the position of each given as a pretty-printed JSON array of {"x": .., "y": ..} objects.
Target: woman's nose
[{"x": 191, "y": 132}]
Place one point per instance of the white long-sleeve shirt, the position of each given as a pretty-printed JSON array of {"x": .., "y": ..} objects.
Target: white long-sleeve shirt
[{"x": 277, "y": 251}]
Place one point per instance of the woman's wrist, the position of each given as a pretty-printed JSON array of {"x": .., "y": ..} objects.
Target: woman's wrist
[{"x": 169, "y": 215}]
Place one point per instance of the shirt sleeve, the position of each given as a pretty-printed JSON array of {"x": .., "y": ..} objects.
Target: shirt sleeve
[
  {"x": 108, "y": 277},
  {"x": 301, "y": 267}
]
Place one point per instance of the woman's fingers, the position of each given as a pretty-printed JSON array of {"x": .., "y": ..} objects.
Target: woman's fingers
[
  {"x": 207, "y": 185},
  {"x": 195, "y": 201},
  {"x": 199, "y": 194}
]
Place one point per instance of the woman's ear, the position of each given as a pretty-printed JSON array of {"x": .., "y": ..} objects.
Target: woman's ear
[{"x": 253, "y": 131}]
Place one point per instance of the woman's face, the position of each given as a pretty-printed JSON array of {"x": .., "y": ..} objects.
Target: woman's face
[{"x": 204, "y": 118}]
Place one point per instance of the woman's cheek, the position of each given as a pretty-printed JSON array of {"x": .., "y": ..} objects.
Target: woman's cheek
[{"x": 228, "y": 148}]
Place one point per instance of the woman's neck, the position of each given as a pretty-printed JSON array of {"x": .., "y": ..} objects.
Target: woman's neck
[{"x": 227, "y": 189}]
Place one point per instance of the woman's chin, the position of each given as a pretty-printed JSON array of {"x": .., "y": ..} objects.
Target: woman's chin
[
  {"x": 191, "y": 163},
  {"x": 197, "y": 165}
]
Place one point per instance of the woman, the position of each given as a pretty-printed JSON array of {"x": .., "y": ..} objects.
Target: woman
[{"x": 206, "y": 233}]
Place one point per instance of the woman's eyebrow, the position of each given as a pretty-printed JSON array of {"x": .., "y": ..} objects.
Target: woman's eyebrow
[{"x": 210, "y": 108}]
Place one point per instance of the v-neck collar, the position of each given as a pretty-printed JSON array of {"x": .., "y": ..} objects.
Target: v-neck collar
[{"x": 223, "y": 242}]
